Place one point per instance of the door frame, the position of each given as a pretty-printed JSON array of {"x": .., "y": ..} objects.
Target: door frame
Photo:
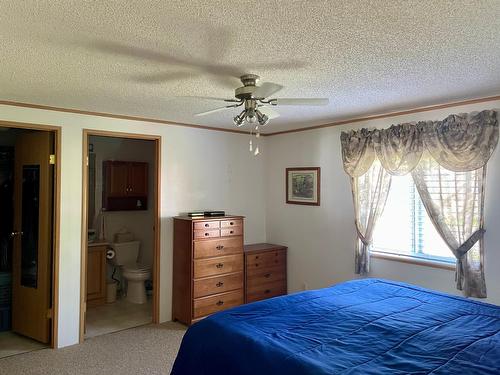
[
  {"x": 157, "y": 213},
  {"x": 56, "y": 206}
]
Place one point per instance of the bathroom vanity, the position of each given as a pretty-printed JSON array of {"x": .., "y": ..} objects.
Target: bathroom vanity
[{"x": 96, "y": 273}]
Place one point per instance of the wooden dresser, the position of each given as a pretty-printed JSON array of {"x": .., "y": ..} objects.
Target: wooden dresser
[
  {"x": 265, "y": 271},
  {"x": 208, "y": 266}
]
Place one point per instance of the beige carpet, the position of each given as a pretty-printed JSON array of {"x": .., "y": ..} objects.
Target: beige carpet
[{"x": 148, "y": 349}]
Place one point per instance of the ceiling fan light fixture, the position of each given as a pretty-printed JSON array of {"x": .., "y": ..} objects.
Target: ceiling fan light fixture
[
  {"x": 262, "y": 118},
  {"x": 251, "y": 116},
  {"x": 240, "y": 119}
]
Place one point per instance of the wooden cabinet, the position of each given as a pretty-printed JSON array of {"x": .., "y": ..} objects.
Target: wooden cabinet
[
  {"x": 96, "y": 274},
  {"x": 265, "y": 271},
  {"x": 125, "y": 185},
  {"x": 208, "y": 266}
]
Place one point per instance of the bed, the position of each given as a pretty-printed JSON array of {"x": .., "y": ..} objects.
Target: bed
[{"x": 368, "y": 326}]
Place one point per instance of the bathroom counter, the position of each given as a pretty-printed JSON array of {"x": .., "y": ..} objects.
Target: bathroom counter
[{"x": 97, "y": 243}]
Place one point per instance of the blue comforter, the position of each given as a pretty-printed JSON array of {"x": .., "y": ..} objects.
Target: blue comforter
[{"x": 368, "y": 326}]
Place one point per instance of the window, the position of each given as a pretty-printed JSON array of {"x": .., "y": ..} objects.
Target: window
[{"x": 405, "y": 228}]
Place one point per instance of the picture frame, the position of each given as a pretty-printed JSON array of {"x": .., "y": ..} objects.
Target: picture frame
[{"x": 303, "y": 185}]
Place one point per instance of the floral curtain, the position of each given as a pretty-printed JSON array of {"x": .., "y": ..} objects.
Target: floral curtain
[
  {"x": 447, "y": 160},
  {"x": 370, "y": 193}
]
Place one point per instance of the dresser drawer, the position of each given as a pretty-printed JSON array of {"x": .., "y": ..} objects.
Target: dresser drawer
[
  {"x": 209, "y": 305},
  {"x": 202, "y": 225},
  {"x": 219, "y": 247},
  {"x": 217, "y": 284},
  {"x": 260, "y": 292},
  {"x": 208, "y": 233},
  {"x": 231, "y": 223},
  {"x": 234, "y": 231},
  {"x": 261, "y": 276},
  {"x": 266, "y": 259},
  {"x": 218, "y": 265}
]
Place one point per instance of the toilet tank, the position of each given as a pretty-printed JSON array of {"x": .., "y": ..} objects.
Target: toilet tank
[{"x": 126, "y": 252}]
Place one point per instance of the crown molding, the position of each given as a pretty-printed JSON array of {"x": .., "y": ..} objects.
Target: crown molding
[
  {"x": 388, "y": 114},
  {"x": 305, "y": 128},
  {"x": 117, "y": 116}
]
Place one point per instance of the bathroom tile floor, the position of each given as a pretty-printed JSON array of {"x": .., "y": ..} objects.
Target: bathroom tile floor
[
  {"x": 117, "y": 316},
  {"x": 11, "y": 343}
]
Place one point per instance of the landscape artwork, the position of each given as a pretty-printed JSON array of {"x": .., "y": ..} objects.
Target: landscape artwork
[{"x": 303, "y": 185}]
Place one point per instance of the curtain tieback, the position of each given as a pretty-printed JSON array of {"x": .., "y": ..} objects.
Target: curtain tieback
[
  {"x": 362, "y": 238},
  {"x": 471, "y": 241}
]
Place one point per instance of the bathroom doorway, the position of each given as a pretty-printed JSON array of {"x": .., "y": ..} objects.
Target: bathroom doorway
[
  {"x": 120, "y": 244},
  {"x": 29, "y": 198}
]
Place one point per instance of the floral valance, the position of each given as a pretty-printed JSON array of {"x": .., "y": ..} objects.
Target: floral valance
[{"x": 459, "y": 143}]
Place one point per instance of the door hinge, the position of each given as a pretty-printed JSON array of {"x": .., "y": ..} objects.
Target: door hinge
[
  {"x": 52, "y": 159},
  {"x": 49, "y": 314}
]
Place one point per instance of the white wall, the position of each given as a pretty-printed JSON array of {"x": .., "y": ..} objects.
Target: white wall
[
  {"x": 199, "y": 169},
  {"x": 139, "y": 223},
  {"x": 321, "y": 239}
]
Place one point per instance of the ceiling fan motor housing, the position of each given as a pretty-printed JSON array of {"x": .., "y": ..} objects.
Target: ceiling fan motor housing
[{"x": 249, "y": 86}]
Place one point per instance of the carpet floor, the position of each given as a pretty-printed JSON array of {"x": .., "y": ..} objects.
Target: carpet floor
[{"x": 149, "y": 349}]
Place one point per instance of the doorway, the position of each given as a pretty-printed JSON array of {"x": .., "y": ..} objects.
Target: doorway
[
  {"x": 28, "y": 237},
  {"x": 120, "y": 233}
]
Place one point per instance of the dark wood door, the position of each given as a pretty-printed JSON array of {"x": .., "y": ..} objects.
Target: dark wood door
[{"x": 138, "y": 179}]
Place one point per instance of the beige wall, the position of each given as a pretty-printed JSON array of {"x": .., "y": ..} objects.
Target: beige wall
[
  {"x": 200, "y": 169},
  {"x": 321, "y": 239}
]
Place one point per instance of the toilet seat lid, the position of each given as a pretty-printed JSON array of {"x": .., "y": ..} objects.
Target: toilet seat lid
[{"x": 136, "y": 268}]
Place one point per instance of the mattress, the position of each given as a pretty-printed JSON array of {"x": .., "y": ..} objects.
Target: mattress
[{"x": 368, "y": 326}]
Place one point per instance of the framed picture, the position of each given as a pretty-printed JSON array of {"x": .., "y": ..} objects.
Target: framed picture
[{"x": 303, "y": 185}]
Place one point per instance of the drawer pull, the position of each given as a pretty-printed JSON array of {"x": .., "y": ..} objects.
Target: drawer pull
[
  {"x": 207, "y": 234},
  {"x": 207, "y": 225},
  {"x": 256, "y": 264},
  {"x": 219, "y": 284},
  {"x": 231, "y": 223},
  {"x": 267, "y": 291},
  {"x": 219, "y": 265},
  {"x": 267, "y": 275},
  {"x": 219, "y": 247},
  {"x": 231, "y": 232},
  {"x": 220, "y": 303}
]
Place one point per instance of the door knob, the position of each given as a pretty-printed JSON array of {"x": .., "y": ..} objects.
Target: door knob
[{"x": 16, "y": 233}]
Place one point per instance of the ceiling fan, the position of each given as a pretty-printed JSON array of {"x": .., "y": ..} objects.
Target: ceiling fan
[{"x": 256, "y": 102}]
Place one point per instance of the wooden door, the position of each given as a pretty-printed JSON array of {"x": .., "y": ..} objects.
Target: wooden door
[
  {"x": 116, "y": 178},
  {"x": 32, "y": 235},
  {"x": 138, "y": 179}
]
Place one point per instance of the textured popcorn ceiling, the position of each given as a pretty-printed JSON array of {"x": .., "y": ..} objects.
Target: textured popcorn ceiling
[{"x": 136, "y": 57}]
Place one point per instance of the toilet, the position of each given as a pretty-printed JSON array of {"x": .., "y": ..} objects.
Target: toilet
[{"x": 134, "y": 273}]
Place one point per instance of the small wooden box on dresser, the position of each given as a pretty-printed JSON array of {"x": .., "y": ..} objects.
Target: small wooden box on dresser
[
  {"x": 208, "y": 266},
  {"x": 265, "y": 271}
]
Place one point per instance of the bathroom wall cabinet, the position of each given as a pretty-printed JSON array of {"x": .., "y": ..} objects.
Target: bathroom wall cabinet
[
  {"x": 125, "y": 186},
  {"x": 96, "y": 274}
]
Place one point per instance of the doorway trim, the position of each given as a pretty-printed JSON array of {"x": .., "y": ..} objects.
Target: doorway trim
[
  {"x": 56, "y": 206},
  {"x": 157, "y": 230}
]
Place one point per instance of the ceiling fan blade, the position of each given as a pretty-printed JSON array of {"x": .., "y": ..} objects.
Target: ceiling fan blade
[
  {"x": 214, "y": 111},
  {"x": 209, "y": 98},
  {"x": 269, "y": 112},
  {"x": 304, "y": 101},
  {"x": 266, "y": 89}
]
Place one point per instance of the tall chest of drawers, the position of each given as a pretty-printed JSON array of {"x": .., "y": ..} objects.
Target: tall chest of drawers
[{"x": 208, "y": 266}]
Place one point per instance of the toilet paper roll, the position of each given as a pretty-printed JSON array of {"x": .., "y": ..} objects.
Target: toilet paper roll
[{"x": 110, "y": 254}]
